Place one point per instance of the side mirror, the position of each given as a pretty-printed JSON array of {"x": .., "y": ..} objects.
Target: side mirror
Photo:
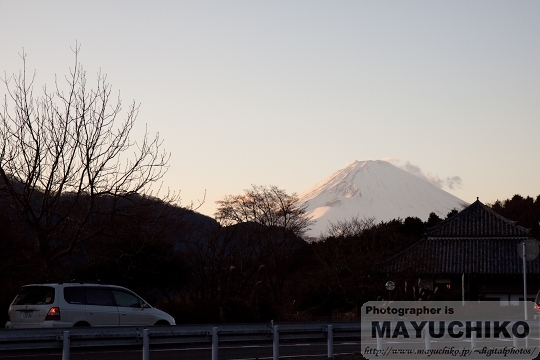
[{"x": 145, "y": 306}]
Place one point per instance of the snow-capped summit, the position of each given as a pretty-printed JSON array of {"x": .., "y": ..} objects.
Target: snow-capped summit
[{"x": 374, "y": 189}]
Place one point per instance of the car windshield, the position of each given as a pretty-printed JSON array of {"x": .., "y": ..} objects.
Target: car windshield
[{"x": 35, "y": 295}]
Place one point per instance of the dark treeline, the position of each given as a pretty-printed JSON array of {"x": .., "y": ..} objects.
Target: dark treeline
[
  {"x": 204, "y": 270},
  {"x": 526, "y": 211}
]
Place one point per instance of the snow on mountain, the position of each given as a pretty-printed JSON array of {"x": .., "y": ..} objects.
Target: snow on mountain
[{"x": 374, "y": 189}]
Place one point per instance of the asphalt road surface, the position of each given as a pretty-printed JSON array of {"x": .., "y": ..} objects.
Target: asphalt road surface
[{"x": 297, "y": 350}]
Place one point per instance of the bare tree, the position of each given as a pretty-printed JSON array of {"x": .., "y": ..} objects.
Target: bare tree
[
  {"x": 265, "y": 205},
  {"x": 64, "y": 151},
  {"x": 272, "y": 223},
  {"x": 347, "y": 254},
  {"x": 347, "y": 228},
  {"x": 354, "y": 253}
]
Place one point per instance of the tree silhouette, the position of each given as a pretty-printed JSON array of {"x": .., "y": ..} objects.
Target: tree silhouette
[
  {"x": 271, "y": 222},
  {"x": 433, "y": 220},
  {"x": 64, "y": 149}
]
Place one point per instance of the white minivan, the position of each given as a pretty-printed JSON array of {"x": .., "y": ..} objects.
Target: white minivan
[{"x": 81, "y": 304}]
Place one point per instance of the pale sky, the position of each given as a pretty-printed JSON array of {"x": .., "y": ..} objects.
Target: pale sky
[{"x": 287, "y": 92}]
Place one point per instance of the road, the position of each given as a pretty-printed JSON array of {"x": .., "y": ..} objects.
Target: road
[{"x": 296, "y": 350}]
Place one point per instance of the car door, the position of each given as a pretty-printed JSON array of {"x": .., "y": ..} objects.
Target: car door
[
  {"x": 100, "y": 307},
  {"x": 131, "y": 309}
]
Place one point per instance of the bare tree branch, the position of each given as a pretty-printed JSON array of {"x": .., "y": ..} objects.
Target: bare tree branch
[{"x": 64, "y": 150}]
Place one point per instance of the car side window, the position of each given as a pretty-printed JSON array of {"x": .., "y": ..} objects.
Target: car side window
[
  {"x": 75, "y": 295},
  {"x": 125, "y": 299},
  {"x": 99, "y": 296}
]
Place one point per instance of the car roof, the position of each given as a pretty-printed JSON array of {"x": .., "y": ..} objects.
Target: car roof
[{"x": 60, "y": 284}]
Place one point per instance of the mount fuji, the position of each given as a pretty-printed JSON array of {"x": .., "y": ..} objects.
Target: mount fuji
[{"x": 374, "y": 189}]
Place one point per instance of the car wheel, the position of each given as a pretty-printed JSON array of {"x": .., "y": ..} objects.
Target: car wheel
[{"x": 81, "y": 324}]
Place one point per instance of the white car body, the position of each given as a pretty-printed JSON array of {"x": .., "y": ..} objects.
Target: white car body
[{"x": 81, "y": 304}]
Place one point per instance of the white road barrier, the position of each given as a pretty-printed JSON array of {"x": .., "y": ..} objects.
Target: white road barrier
[{"x": 22, "y": 339}]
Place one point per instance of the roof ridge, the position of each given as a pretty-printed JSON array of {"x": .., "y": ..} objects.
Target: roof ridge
[{"x": 477, "y": 220}]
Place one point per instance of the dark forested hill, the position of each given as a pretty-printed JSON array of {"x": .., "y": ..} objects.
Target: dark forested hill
[{"x": 199, "y": 271}]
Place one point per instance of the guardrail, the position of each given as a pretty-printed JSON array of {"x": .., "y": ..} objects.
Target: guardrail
[{"x": 55, "y": 338}]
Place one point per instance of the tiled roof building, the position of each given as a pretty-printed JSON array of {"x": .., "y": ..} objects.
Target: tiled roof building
[{"x": 476, "y": 248}]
